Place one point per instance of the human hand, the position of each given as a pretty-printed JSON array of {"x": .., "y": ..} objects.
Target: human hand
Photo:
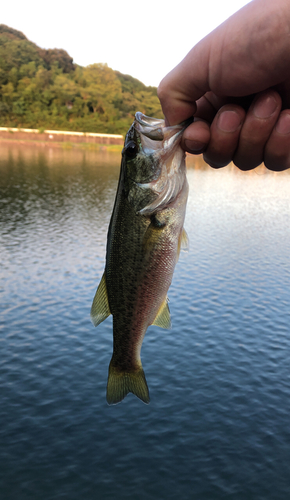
[{"x": 236, "y": 82}]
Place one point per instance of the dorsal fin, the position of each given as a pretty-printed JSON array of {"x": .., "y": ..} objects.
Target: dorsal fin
[
  {"x": 100, "y": 309},
  {"x": 163, "y": 316}
]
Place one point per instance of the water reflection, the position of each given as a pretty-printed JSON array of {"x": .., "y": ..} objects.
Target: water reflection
[
  {"x": 37, "y": 183},
  {"x": 218, "y": 423}
]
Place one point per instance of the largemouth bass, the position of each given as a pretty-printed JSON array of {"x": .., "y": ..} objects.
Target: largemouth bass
[{"x": 143, "y": 244}]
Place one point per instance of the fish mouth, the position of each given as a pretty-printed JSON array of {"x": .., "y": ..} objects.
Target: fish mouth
[
  {"x": 155, "y": 130},
  {"x": 162, "y": 144}
]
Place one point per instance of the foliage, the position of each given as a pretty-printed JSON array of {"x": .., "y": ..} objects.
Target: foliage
[{"x": 42, "y": 88}]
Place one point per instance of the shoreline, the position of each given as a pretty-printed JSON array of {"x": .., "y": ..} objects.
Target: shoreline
[
  {"x": 62, "y": 139},
  {"x": 112, "y": 148}
]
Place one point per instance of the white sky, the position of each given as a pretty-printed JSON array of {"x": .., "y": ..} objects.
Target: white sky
[{"x": 144, "y": 38}]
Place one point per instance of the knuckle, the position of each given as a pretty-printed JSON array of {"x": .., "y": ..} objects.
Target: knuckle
[
  {"x": 162, "y": 90},
  {"x": 277, "y": 155},
  {"x": 216, "y": 162},
  {"x": 245, "y": 163},
  {"x": 277, "y": 164}
]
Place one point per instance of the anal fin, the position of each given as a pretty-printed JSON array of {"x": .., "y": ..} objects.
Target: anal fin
[
  {"x": 163, "y": 316},
  {"x": 100, "y": 309}
]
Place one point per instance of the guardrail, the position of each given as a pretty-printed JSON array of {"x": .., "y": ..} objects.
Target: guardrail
[
  {"x": 59, "y": 132},
  {"x": 61, "y": 135}
]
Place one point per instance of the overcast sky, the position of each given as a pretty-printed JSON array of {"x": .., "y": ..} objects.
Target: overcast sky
[{"x": 144, "y": 38}]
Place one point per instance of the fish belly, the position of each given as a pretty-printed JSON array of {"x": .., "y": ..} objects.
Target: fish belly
[{"x": 141, "y": 258}]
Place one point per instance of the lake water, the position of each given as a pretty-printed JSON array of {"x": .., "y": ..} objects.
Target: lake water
[{"x": 218, "y": 423}]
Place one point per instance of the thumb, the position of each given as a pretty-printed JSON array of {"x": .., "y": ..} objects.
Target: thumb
[{"x": 180, "y": 89}]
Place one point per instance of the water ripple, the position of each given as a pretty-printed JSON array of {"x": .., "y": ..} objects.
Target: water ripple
[{"x": 218, "y": 423}]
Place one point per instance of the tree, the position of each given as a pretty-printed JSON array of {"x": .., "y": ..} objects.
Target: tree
[
  {"x": 59, "y": 57},
  {"x": 100, "y": 87},
  {"x": 44, "y": 88}
]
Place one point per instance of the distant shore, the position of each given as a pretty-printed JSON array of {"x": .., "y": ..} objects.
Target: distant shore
[{"x": 61, "y": 138}]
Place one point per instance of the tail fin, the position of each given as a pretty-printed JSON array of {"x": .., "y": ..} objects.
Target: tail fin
[{"x": 121, "y": 383}]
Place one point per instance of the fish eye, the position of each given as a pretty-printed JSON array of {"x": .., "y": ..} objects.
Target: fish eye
[{"x": 131, "y": 150}]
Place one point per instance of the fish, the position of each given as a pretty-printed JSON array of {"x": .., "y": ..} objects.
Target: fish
[{"x": 144, "y": 239}]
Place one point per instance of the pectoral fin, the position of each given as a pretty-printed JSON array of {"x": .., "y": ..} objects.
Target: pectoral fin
[
  {"x": 100, "y": 309},
  {"x": 183, "y": 242},
  {"x": 163, "y": 316}
]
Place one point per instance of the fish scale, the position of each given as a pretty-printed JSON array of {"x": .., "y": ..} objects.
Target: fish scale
[{"x": 143, "y": 244}]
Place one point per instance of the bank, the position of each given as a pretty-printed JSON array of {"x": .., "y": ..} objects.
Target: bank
[{"x": 61, "y": 138}]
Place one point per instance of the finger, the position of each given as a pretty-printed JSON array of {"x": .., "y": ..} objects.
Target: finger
[
  {"x": 277, "y": 150},
  {"x": 196, "y": 137},
  {"x": 229, "y": 64},
  {"x": 225, "y": 130},
  {"x": 208, "y": 105},
  {"x": 256, "y": 130}
]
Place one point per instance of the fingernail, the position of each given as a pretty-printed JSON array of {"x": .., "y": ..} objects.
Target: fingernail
[
  {"x": 265, "y": 107},
  {"x": 283, "y": 124},
  {"x": 194, "y": 147},
  {"x": 229, "y": 121}
]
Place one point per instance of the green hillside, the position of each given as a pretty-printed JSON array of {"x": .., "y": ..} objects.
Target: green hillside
[{"x": 44, "y": 89}]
